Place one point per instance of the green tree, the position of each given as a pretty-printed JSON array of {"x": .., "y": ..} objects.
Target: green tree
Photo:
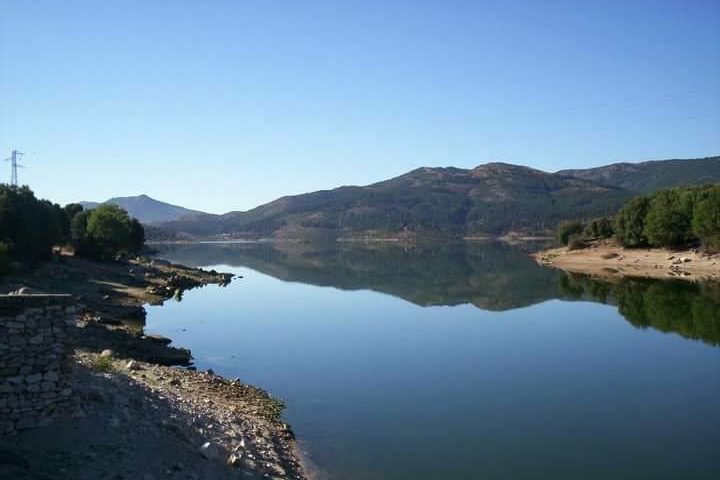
[
  {"x": 4, "y": 258},
  {"x": 630, "y": 222},
  {"x": 78, "y": 229},
  {"x": 706, "y": 217},
  {"x": 72, "y": 209},
  {"x": 598, "y": 228},
  {"x": 568, "y": 229},
  {"x": 109, "y": 231},
  {"x": 137, "y": 235},
  {"x": 669, "y": 218},
  {"x": 30, "y": 227}
]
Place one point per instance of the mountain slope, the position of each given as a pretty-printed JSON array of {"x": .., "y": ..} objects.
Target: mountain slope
[
  {"x": 652, "y": 175},
  {"x": 146, "y": 209},
  {"x": 491, "y": 199}
]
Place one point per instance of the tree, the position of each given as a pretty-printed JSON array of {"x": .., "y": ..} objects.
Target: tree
[
  {"x": 28, "y": 226},
  {"x": 669, "y": 217},
  {"x": 568, "y": 229},
  {"x": 78, "y": 229},
  {"x": 109, "y": 231},
  {"x": 72, "y": 209},
  {"x": 706, "y": 218},
  {"x": 137, "y": 235},
  {"x": 630, "y": 222},
  {"x": 598, "y": 228}
]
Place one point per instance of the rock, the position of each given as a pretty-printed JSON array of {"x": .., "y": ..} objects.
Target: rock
[
  {"x": 107, "y": 353},
  {"x": 159, "y": 339},
  {"x": 35, "y": 378},
  {"x": 210, "y": 371},
  {"x": 132, "y": 365},
  {"x": 209, "y": 451},
  {"x": 685, "y": 259},
  {"x": 234, "y": 459},
  {"x": 23, "y": 291}
]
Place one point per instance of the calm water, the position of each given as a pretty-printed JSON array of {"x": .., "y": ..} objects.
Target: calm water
[{"x": 463, "y": 361}]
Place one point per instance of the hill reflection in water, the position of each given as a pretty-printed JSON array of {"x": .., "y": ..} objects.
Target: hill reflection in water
[{"x": 492, "y": 276}]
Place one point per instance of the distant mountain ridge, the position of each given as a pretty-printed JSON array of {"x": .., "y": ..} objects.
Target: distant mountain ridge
[
  {"x": 146, "y": 209},
  {"x": 653, "y": 174},
  {"x": 491, "y": 199}
]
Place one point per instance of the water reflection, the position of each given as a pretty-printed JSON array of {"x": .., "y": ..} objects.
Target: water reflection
[
  {"x": 688, "y": 309},
  {"x": 493, "y": 276}
]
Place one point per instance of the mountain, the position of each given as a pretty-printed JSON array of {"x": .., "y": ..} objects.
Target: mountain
[
  {"x": 491, "y": 199},
  {"x": 652, "y": 175},
  {"x": 146, "y": 209}
]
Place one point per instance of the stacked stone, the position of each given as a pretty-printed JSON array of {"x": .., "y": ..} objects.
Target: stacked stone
[{"x": 34, "y": 363}]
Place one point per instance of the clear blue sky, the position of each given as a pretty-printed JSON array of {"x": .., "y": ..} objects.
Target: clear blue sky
[{"x": 224, "y": 105}]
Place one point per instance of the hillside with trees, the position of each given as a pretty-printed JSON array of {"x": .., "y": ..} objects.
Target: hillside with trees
[
  {"x": 669, "y": 218},
  {"x": 646, "y": 177},
  {"x": 492, "y": 199}
]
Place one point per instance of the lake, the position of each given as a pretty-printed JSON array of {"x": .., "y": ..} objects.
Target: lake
[{"x": 461, "y": 361}]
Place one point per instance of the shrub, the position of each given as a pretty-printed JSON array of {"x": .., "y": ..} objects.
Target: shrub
[
  {"x": 576, "y": 242},
  {"x": 102, "y": 364}
]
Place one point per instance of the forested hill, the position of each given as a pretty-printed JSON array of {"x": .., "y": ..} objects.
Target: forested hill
[
  {"x": 653, "y": 175},
  {"x": 494, "y": 198}
]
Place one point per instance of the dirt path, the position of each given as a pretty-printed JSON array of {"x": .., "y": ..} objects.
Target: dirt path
[{"x": 606, "y": 259}]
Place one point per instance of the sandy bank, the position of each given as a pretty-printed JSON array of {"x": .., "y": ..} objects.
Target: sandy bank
[{"x": 607, "y": 259}]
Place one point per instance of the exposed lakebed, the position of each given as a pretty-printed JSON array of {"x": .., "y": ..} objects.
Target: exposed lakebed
[{"x": 462, "y": 361}]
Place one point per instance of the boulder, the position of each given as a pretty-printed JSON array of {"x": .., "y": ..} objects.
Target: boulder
[{"x": 209, "y": 451}]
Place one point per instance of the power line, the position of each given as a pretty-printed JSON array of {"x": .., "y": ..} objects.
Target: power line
[{"x": 14, "y": 165}]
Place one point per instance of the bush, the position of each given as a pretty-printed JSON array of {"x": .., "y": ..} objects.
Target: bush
[
  {"x": 102, "y": 364},
  {"x": 576, "y": 242},
  {"x": 567, "y": 229}
]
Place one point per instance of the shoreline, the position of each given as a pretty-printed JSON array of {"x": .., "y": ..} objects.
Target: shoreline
[
  {"x": 220, "y": 428},
  {"x": 606, "y": 259},
  {"x": 370, "y": 239}
]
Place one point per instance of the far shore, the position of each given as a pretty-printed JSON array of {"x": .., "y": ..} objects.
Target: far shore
[
  {"x": 369, "y": 239},
  {"x": 607, "y": 259}
]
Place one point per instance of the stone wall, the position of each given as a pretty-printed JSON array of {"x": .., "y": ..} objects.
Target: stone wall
[{"x": 34, "y": 361}]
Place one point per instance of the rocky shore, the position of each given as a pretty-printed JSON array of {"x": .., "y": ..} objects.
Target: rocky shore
[
  {"x": 607, "y": 259},
  {"x": 135, "y": 414}
]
